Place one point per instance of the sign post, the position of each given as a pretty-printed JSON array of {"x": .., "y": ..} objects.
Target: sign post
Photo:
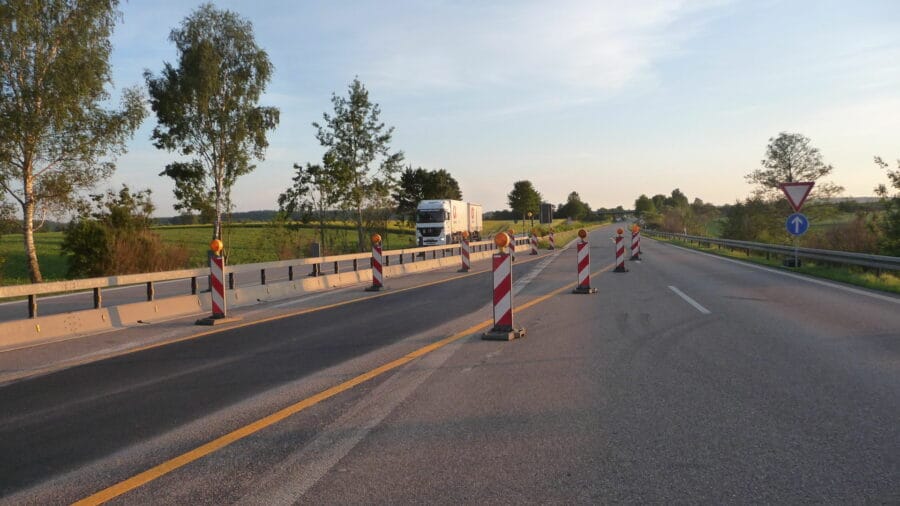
[{"x": 797, "y": 223}]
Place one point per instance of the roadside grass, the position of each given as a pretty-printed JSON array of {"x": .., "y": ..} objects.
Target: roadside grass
[{"x": 857, "y": 276}]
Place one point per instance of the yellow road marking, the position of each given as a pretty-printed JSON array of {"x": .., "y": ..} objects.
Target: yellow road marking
[{"x": 197, "y": 453}]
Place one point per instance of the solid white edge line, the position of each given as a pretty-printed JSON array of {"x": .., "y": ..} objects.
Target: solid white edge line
[
  {"x": 857, "y": 291},
  {"x": 689, "y": 300}
]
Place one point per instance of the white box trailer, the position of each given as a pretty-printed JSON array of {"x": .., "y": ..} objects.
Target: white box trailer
[
  {"x": 476, "y": 221},
  {"x": 443, "y": 221}
]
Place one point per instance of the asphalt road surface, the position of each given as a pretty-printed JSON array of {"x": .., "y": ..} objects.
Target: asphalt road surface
[{"x": 688, "y": 379}]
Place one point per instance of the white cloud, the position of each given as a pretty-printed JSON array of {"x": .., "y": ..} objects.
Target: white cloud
[{"x": 583, "y": 47}]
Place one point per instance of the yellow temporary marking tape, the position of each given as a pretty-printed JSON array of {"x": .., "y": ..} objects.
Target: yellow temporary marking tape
[{"x": 217, "y": 444}]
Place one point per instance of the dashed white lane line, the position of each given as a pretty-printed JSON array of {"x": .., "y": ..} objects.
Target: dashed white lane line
[{"x": 689, "y": 300}]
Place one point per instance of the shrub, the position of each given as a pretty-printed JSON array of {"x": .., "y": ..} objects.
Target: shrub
[{"x": 112, "y": 236}]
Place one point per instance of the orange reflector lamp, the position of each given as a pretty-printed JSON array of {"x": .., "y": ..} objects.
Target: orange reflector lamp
[
  {"x": 216, "y": 246},
  {"x": 376, "y": 238},
  {"x": 501, "y": 240},
  {"x": 582, "y": 233}
]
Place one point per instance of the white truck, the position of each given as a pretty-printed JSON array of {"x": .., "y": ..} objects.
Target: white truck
[{"x": 444, "y": 221}]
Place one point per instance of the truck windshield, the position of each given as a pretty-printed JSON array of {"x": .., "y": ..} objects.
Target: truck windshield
[{"x": 436, "y": 216}]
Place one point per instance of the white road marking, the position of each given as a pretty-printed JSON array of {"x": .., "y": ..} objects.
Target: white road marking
[
  {"x": 857, "y": 291},
  {"x": 689, "y": 300}
]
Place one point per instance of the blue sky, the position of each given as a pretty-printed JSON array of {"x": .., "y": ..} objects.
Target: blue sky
[{"x": 608, "y": 98}]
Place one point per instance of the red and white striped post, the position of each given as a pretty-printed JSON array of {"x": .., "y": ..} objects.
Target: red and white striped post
[
  {"x": 552, "y": 240},
  {"x": 503, "y": 329},
  {"x": 534, "y": 243},
  {"x": 635, "y": 242},
  {"x": 620, "y": 251},
  {"x": 216, "y": 285},
  {"x": 377, "y": 262},
  {"x": 584, "y": 265},
  {"x": 512, "y": 243},
  {"x": 464, "y": 253}
]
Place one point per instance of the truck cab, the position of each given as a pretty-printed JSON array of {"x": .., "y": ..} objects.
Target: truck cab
[{"x": 433, "y": 223}]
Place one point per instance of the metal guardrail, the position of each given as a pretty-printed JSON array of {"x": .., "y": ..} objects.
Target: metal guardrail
[
  {"x": 876, "y": 262},
  {"x": 98, "y": 284}
]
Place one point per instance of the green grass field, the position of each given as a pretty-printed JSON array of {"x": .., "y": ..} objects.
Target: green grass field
[
  {"x": 244, "y": 243},
  {"x": 12, "y": 251}
]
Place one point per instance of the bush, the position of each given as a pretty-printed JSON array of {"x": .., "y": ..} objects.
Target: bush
[
  {"x": 115, "y": 238},
  {"x": 858, "y": 236}
]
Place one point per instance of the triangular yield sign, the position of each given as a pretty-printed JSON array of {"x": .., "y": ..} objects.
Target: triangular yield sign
[{"x": 796, "y": 193}]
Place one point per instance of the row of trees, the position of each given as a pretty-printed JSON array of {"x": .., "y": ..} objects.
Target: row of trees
[
  {"x": 57, "y": 139},
  {"x": 790, "y": 157}
]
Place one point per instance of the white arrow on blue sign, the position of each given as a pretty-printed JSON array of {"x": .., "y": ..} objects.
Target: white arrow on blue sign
[{"x": 797, "y": 224}]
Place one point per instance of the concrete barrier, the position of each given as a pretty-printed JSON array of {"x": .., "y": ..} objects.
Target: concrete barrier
[{"x": 44, "y": 329}]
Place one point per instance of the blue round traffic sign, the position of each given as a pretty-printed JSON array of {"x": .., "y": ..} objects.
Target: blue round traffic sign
[{"x": 797, "y": 224}]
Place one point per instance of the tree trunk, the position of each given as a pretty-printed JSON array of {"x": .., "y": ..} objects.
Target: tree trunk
[
  {"x": 34, "y": 269},
  {"x": 217, "y": 227},
  {"x": 359, "y": 229}
]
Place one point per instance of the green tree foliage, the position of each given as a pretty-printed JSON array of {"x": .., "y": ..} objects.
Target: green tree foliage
[
  {"x": 112, "y": 236},
  {"x": 421, "y": 184},
  {"x": 755, "y": 219},
  {"x": 312, "y": 192},
  {"x": 889, "y": 224},
  {"x": 659, "y": 201},
  {"x": 574, "y": 208},
  {"x": 55, "y": 137},
  {"x": 790, "y": 157},
  {"x": 524, "y": 199},
  {"x": 207, "y": 107},
  {"x": 677, "y": 199},
  {"x": 643, "y": 205},
  {"x": 358, "y": 156}
]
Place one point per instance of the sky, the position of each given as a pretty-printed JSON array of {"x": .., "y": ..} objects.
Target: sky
[{"x": 612, "y": 99}]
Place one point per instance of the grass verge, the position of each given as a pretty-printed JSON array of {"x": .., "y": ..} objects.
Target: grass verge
[{"x": 857, "y": 276}]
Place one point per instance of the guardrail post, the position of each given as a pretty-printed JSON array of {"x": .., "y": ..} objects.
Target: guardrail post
[
  {"x": 150, "y": 290},
  {"x": 290, "y": 272},
  {"x": 32, "y": 306},
  {"x": 194, "y": 285},
  {"x": 231, "y": 281},
  {"x": 262, "y": 276},
  {"x": 355, "y": 265},
  {"x": 336, "y": 268},
  {"x": 98, "y": 299}
]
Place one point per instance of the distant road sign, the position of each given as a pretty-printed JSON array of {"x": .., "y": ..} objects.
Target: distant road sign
[
  {"x": 796, "y": 193},
  {"x": 797, "y": 224}
]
